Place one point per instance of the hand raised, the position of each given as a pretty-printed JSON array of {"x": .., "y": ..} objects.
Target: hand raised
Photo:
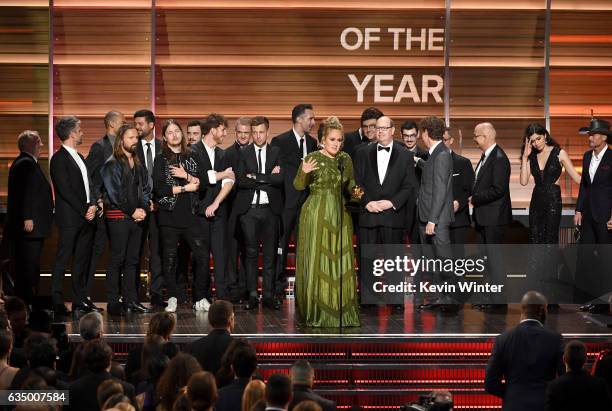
[{"x": 309, "y": 165}]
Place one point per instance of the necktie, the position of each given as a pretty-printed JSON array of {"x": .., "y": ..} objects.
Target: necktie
[
  {"x": 482, "y": 159},
  {"x": 259, "y": 171},
  {"x": 387, "y": 149},
  {"x": 149, "y": 159},
  {"x": 302, "y": 147}
]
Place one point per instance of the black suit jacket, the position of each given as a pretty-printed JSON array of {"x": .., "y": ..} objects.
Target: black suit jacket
[
  {"x": 305, "y": 393},
  {"x": 463, "y": 181},
  {"x": 595, "y": 196},
  {"x": 290, "y": 160},
  {"x": 208, "y": 192},
  {"x": 268, "y": 182},
  {"x": 527, "y": 356},
  {"x": 491, "y": 192},
  {"x": 210, "y": 348},
  {"x": 99, "y": 152},
  {"x": 70, "y": 196},
  {"x": 353, "y": 140},
  {"x": 157, "y": 143},
  {"x": 29, "y": 198},
  {"x": 399, "y": 184},
  {"x": 578, "y": 390},
  {"x": 84, "y": 391},
  {"x": 229, "y": 397}
]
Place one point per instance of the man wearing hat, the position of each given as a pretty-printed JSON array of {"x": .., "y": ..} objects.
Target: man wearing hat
[{"x": 594, "y": 205}]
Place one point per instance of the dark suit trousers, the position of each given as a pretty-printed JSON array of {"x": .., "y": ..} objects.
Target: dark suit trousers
[
  {"x": 437, "y": 247},
  {"x": 214, "y": 234},
  {"x": 27, "y": 266},
  {"x": 236, "y": 269},
  {"x": 290, "y": 220},
  {"x": 592, "y": 232},
  {"x": 125, "y": 252},
  {"x": 591, "y": 281},
  {"x": 488, "y": 236},
  {"x": 260, "y": 225},
  {"x": 73, "y": 242},
  {"x": 99, "y": 245},
  {"x": 151, "y": 232},
  {"x": 459, "y": 235}
]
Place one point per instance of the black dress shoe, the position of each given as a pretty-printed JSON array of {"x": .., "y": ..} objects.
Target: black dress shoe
[
  {"x": 81, "y": 308},
  {"x": 450, "y": 308},
  {"x": 586, "y": 307},
  {"x": 157, "y": 301},
  {"x": 251, "y": 304},
  {"x": 599, "y": 308},
  {"x": 91, "y": 305},
  {"x": 135, "y": 308},
  {"x": 115, "y": 309},
  {"x": 426, "y": 307},
  {"x": 60, "y": 309},
  {"x": 274, "y": 304}
]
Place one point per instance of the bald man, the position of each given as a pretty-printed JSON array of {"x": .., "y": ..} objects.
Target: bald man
[{"x": 525, "y": 358}]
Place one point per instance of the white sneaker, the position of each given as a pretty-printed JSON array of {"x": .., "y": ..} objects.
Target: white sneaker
[
  {"x": 202, "y": 305},
  {"x": 172, "y": 303}
]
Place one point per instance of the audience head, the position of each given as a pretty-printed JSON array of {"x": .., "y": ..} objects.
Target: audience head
[
  {"x": 69, "y": 128},
  {"x": 385, "y": 128},
  {"x": 202, "y": 391},
  {"x": 307, "y": 406},
  {"x": 112, "y": 121},
  {"x": 17, "y": 313},
  {"x": 431, "y": 130},
  {"x": 41, "y": 351},
  {"x": 260, "y": 130},
  {"x": 145, "y": 123},
  {"x": 302, "y": 373},
  {"x": 303, "y": 118},
  {"x": 243, "y": 131},
  {"x": 221, "y": 315},
  {"x": 278, "y": 391},
  {"x": 484, "y": 135},
  {"x": 5, "y": 324},
  {"x": 443, "y": 401},
  {"x": 533, "y": 306},
  {"x": 537, "y": 135},
  {"x": 91, "y": 326},
  {"x": 410, "y": 134},
  {"x": 162, "y": 324},
  {"x": 151, "y": 349},
  {"x": 244, "y": 359},
  {"x": 194, "y": 132},
  {"x": 574, "y": 355},
  {"x": 173, "y": 139},
  {"x": 107, "y": 389},
  {"x": 214, "y": 129},
  {"x": 115, "y": 400},
  {"x": 177, "y": 375},
  {"x": 98, "y": 356},
  {"x": 29, "y": 141},
  {"x": 333, "y": 136},
  {"x": 126, "y": 143},
  {"x": 6, "y": 343},
  {"x": 367, "y": 122},
  {"x": 40, "y": 321},
  {"x": 253, "y": 392}
]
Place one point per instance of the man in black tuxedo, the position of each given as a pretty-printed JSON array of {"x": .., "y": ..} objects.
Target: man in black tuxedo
[
  {"x": 577, "y": 389},
  {"x": 209, "y": 349},
  {"x": 410, "y": 135},
  {"x": 302, "y": 379},
  {"x": 365, "y": 134},
  {"x": 463, "y": 181},
  {"x": 217, "y": 181},
  {"x": 258, "y": 207},
  {"x": 99, "y": 152},
  {"x": 75, "y": 209},
  {"x": 147, "y": 150},
  {"x": 294, "y": 145},
  {"x": 594, "y": 205},
  {"x": 29, "y": 214},
  {"x": 525, "y": 359},
  {"x": 491, "y": 201},
  {"x": 236, "y": 255},
  {"x": 385, "y": 172}
]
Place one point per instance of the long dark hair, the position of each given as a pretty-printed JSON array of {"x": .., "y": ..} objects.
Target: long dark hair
[
  {"x": 167, "y": 152},
  {"x": 118, "y": 147},
  {"x": 537, "y": 128}
]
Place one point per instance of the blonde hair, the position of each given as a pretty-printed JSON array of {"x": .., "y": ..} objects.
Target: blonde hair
[
  {"x": 331, "y": 123},
  {"x": 253, "y": 392}
]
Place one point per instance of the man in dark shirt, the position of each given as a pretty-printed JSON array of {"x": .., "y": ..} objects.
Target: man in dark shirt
[
  {"x": 244, "y": 363},
  {"x": 302, "y": 378}
]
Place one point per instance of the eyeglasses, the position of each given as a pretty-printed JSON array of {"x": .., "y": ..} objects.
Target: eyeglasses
[
  {"x": 369, "y": 127},
  {"x": 410, "y": 136},
  {"x": 382, "y": 128}
]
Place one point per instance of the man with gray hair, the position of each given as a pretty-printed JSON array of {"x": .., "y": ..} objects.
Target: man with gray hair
[
  {"x": 302, "y": 379},
  {"x": 91, "y": 326},
  {"x": 29, "y": 214}
]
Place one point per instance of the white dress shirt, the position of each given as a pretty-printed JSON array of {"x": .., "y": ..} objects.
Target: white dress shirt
[
  {"x": 73, "y": 153},
  {"x": 144, "y": 143},
  {"x": 486, "y": 153},
  {"x": 263, "y": 196},
  {"x": 432, "y": 148},
  {"x": 382, "y": 160},
  {"x": 595, "y": 160},
  {"x": 212, "y": 174},
  {"x": 298, "y": 138}
]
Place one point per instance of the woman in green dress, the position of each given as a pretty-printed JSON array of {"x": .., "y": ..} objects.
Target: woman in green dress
[{"x": 319, "y": 259}]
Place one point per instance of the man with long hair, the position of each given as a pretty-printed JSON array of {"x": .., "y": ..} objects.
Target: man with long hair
[{"x": 127, "y": 196}]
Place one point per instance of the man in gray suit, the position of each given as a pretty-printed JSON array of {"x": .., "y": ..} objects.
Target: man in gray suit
[{"x": 435, "y": 203}]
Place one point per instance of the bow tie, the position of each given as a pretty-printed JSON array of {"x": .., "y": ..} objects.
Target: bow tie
[{"x": 387, "y": 149}]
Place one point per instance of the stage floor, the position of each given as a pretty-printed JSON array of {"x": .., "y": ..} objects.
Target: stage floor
[{"x": 376, "y": 322}]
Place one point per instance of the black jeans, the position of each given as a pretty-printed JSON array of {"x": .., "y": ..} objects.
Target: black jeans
[
  {"x": 170, "y": 240},
  {"x": 100, "y": 238},
  {"x": 151, "y": 232},
  {"x": 260, "y": 225},
  {"x": 124, "y": 258}
]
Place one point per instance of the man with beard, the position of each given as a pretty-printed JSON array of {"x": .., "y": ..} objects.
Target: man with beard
[
  {"x": 366, "y": 133},
  {"x": 127, "y": 197},
  {"x": 148, "y": 149},
  {"x": 99, "y": 152}
]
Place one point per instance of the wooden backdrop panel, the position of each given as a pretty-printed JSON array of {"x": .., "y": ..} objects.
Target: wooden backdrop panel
[
  {"x": 575, "y": 91},
  {"x": 24, "y": 89},
  {"x": 24, "y": 35}
]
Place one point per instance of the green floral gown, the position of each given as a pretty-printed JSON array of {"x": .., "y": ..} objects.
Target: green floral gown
[{"x": 318, "y": 261}]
